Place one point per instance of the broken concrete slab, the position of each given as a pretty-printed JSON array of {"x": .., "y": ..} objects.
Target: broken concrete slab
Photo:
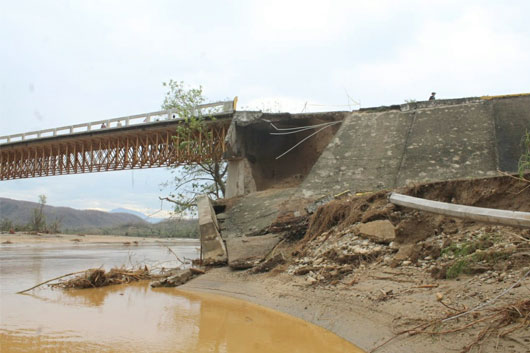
[
  {"x": 213, "y": 250},
  {"x": 269, "y": 264},
  {"x": 253, "y": 214},
  {"x": 381, "y": 231},
  {"x": 246, "y": 252},
  {"x": 178, "y": 279}
]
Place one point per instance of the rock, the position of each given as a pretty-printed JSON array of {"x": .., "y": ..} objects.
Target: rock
[
  {"x": 197, "y": 271},
  {"x": 406, "y": 263},
  {"x": 381, "y": 231},
  {"x": 221, "y": 216},
  {"x": 269, "y": 264},
  {"x": 311, "y": 280},
  {"x": 439, "y": 272},
  {"x": 178, "y": 279},
  {"x": 414, "y": 229},
  {"x": 304, "y": 270},
  {"x": 450, "y": 227},
  {"x": 407, "y": 252},
  {"x": 243, "y": 264},
  {"x": 431, "y": 249}
]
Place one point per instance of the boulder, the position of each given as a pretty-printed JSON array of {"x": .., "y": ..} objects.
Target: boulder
[
  {"x": 381, "y": 231},
  {"x": 406, "y": 252}
]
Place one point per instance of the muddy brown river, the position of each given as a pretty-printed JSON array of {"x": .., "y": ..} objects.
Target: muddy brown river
[{"x": 134, "y": 317}]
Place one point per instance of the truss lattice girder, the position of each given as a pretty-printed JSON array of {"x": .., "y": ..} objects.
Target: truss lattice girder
[{"x": 134, "y": 149}]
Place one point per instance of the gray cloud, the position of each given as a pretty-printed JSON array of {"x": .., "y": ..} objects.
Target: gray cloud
[{"x": 87, "y": 60}]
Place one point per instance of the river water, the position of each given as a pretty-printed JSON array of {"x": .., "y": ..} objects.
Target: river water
[{"x": 134, "y": 317}]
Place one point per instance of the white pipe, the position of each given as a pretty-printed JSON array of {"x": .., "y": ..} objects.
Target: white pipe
[{"x": 480, "y": 214}]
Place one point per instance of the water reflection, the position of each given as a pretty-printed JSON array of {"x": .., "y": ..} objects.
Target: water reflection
[
  {"x": 229, "y": 325},
  {"x": 136, "y": 318}
]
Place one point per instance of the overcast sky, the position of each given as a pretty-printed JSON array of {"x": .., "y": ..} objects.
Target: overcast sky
[{"x": 64, "y": 62}]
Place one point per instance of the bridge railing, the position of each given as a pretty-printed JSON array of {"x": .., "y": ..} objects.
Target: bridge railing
[{"x": 210, "y": 109}]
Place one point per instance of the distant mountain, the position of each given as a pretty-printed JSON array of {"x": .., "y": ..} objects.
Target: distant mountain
[
  {"x": 170, "y": 228},
  {"x": 20, "y": 212},
  {"x": 139, "y": 214}
]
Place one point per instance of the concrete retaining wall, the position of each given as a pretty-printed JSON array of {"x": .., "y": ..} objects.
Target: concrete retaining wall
[
  {"x": 213, "y": 250},
  {"x": 391, "y": 147}
]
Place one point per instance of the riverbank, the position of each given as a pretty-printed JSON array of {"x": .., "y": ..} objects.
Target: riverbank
[
  {"x": 384, "y": 277},
  {"x": 371, "y": 311},
  {"x": 27, "y": 238}
]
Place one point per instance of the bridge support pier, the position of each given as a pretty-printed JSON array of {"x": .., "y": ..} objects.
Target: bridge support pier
[{"x": 239, "y": 180}]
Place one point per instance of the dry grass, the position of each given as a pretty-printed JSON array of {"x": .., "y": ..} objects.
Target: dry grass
[
  {"x": 329, "y": 216},
  {"x": 497, "y": 322},
  {"x": 344, "y": 212}
]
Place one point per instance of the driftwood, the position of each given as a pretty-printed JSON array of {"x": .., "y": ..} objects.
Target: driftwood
[
  {"x": 50, "y": 280},
  {"x": 497, "y": 319},
  {"x": 178, "y": 258}
]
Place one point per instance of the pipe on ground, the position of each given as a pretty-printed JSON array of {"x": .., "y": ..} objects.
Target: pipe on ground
[{"x": 480, "y": 214}]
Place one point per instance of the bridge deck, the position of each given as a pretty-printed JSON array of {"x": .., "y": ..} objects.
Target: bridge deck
[{"x": 140, "y": 141}]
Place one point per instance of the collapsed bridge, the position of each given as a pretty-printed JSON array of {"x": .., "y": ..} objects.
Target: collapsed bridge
[
  {"x": 132, "y": 142},
  {"x": 319, "y": 153}
]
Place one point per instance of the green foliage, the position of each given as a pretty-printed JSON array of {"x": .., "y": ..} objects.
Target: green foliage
[
  {"x": 470, "y": 252},
  {"x": 457, "y": 268},
  {"x": 191, "y": 180},
  {"x": 467, "y": 248},
  {"x": 181, "y": 99},
  {"x": 524, "y": 161},
  {"x": 55, "y": 226},
  {"x": 6, "y": 225},
  {"x": 489, "y": 257}
]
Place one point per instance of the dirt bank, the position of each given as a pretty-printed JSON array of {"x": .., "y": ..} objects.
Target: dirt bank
[
  {"x": 361, "y": 313},
  {"x": 369, "y": 270}
]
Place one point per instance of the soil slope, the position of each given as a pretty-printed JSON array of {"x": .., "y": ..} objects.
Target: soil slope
[{"x": 391, "y": 279}]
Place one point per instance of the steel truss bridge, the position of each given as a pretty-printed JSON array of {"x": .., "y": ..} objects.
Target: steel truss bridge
[{"x": 132, "y": 142}]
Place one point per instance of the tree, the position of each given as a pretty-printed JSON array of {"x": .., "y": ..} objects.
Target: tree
[
  {"x": 6, "y": 225},
  {"x": 38, "y": 221},
  {"x": 56, "y": 225},
  {"x": 189, "y": 181}
]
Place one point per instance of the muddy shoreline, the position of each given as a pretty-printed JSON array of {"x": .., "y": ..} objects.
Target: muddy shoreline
[{"x": 357, "y": 314}]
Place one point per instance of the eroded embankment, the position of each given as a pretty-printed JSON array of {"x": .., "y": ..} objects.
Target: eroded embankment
[{"x": 407, "y": 269}]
